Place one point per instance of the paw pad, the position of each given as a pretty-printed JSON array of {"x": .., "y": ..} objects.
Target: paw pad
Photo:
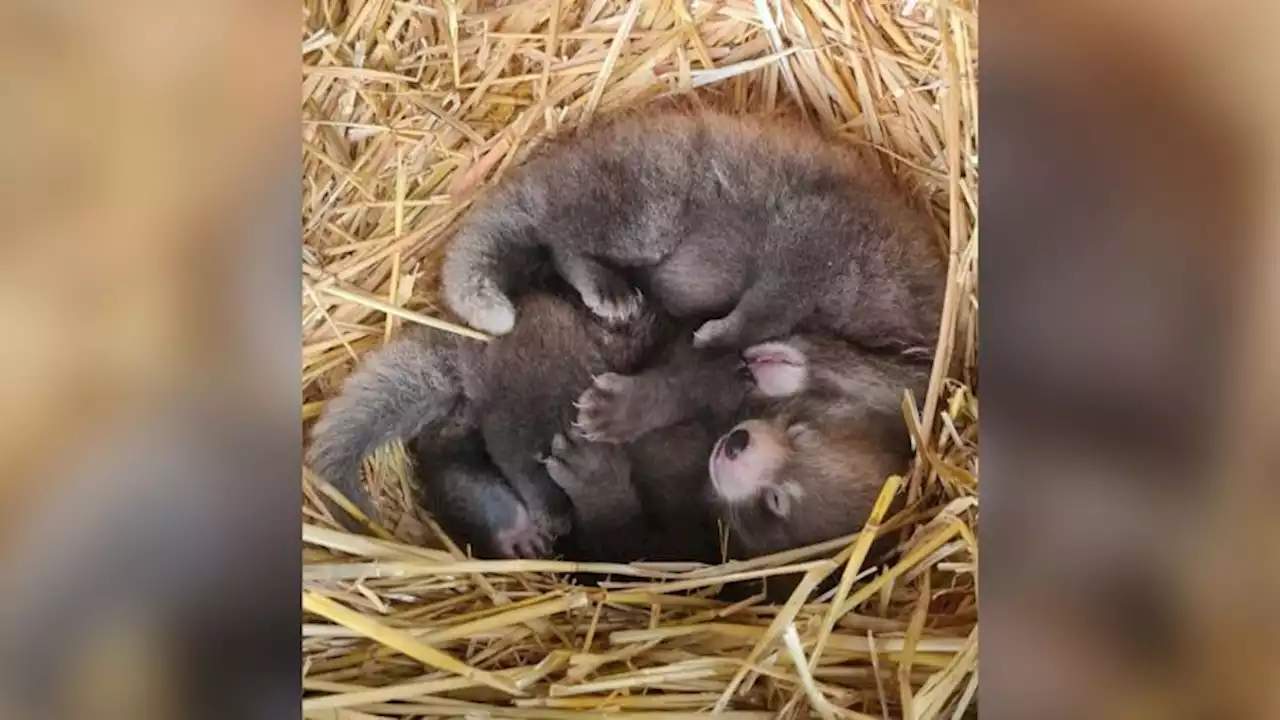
[{"x": 778, "y": 369}]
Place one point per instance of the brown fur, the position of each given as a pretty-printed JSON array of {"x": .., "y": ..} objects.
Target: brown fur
[
  {"x": 481, "y": 411},
  {"x": 842, "y": 435},
  {"x": 831, "y": 471},
  {"x": 824, "y": 449},
  {"x": 479, "y": 435},
  {"x": 751, "y": 226}
]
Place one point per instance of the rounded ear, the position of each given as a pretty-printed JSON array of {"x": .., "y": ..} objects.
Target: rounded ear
[
  {"x": 804, "y": 437},
  {"x": 798, "y": 431},
  {"x": 777, "y": 501}
]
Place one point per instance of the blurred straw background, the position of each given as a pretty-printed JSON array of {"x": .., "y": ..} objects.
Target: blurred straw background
[{"x": 412, "y": 107}]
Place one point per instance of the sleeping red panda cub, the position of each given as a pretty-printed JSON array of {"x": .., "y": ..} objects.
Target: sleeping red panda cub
[{"x": 822, "y": 431}]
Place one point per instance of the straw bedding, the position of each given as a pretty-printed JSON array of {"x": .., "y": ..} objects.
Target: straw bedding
[{"x": 410, "y": 108}]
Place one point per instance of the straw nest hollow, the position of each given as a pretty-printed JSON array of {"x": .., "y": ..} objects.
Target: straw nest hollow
[{"x": 412, "y": 107}]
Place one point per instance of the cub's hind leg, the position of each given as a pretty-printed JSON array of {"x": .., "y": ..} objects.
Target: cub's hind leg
[
  {"x": 604, "y": 290},
  {"x": 476, "y": 506}
]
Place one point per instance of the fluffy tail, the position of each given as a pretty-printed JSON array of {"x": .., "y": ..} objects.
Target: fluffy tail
[
  {"x": 396, "y": 393},
  {"x": 495, "y": 252}
]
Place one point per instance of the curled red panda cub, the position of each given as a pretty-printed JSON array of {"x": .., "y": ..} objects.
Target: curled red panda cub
[
  {"x": 811, "y": 468},
  {"x": 823, "y": 434},
  {"x": 751, "y": 226},
  {"x": 480, "y": 415}
]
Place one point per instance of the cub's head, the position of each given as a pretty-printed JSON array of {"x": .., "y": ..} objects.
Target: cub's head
[
  {"x": 809, "y": 464},
  {"x": 782, "y": 482}
]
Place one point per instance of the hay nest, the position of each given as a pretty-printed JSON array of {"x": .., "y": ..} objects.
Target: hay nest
[{"x": 412, "y": 107}]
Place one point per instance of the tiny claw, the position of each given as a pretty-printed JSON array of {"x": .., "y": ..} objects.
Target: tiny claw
[{"x": 559, "y": 444}]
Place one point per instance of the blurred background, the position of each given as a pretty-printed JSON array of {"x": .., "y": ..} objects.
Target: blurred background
[
  {"x": 149, "y": 292},
  {"x": 1130, "y": 323}
]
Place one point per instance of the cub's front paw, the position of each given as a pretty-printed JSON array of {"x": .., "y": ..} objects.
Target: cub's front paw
[
  {"x": 611, "y": 410},
  {"x": 778, "y": 369},
  {"x": 721, "y": 333},
  {"x": 614, "y": 301},
  {"x": 577, "y": 464}
]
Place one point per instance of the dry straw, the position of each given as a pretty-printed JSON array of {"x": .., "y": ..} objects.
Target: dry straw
[{"x": 410, "y": 107}]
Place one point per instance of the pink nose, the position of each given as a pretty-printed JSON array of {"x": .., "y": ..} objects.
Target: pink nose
[{"x": 736, "y": 443}]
